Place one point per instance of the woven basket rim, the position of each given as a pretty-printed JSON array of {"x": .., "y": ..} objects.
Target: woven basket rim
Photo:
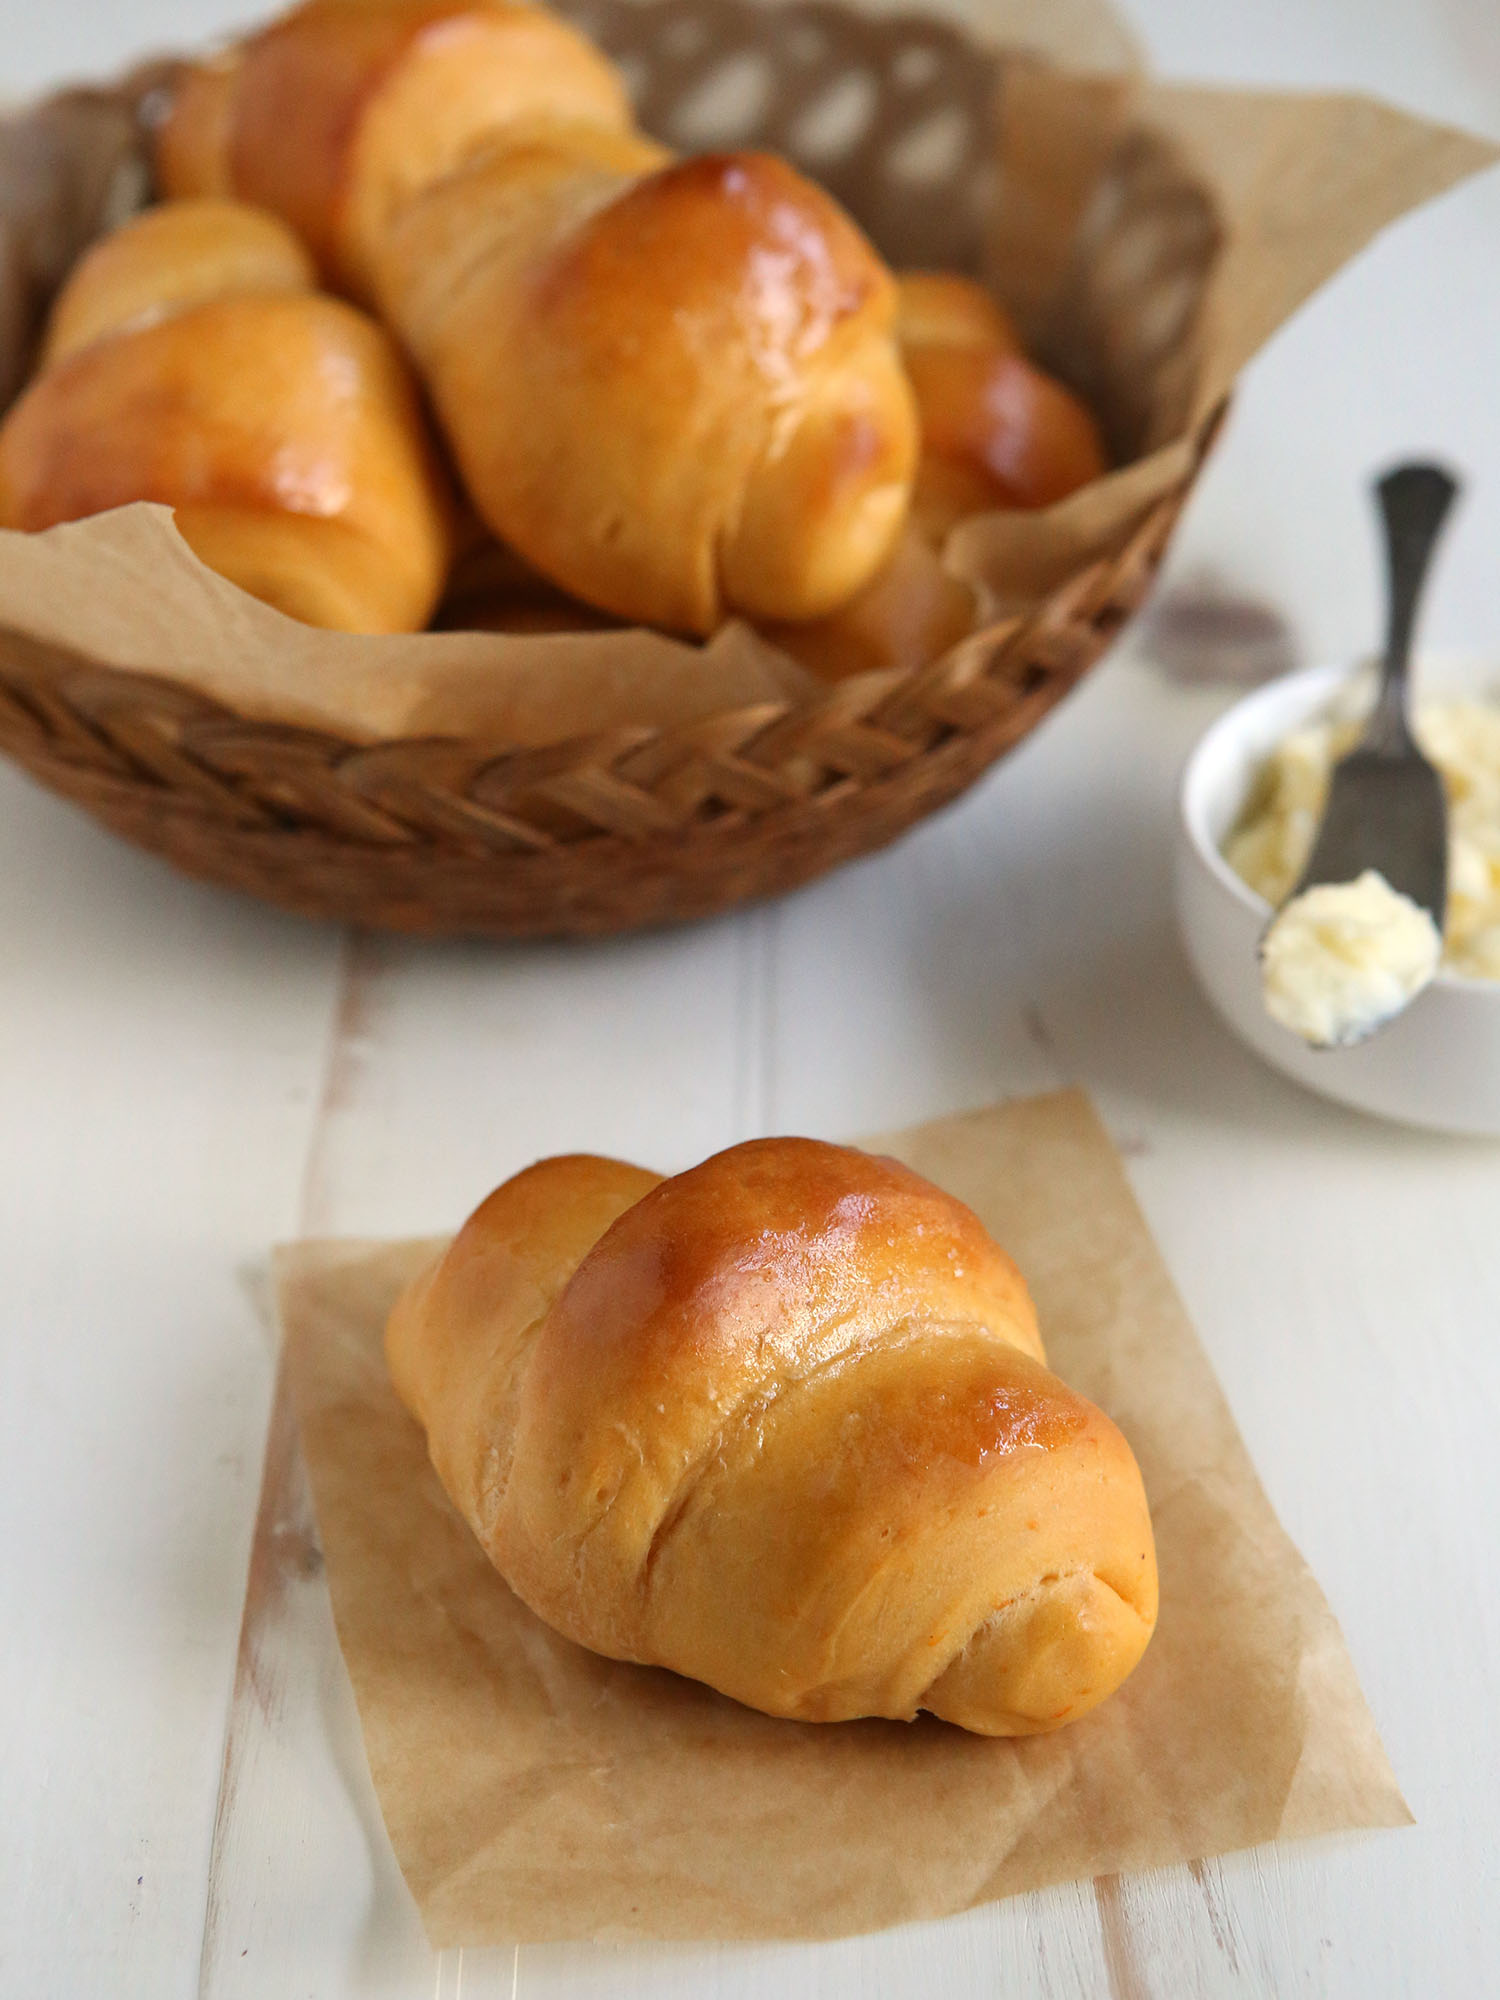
[
  {"x": 882, "y": 698},
  {"x": 443, "y": 835}
]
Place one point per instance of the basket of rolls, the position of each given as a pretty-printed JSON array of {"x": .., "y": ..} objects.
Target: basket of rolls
[{"x": 471, "y": 468}]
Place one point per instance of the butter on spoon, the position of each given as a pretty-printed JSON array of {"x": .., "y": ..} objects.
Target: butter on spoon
[
  {"x": 1362, "y": 932},
  {"x": 1343, "y": 957}
]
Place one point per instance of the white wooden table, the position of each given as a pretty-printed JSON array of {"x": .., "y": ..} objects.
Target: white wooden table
[{"x": 185, "y": 1078}]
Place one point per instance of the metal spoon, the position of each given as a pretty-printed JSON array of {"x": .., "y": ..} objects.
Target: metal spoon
[{"x": 1386, "y": 809}]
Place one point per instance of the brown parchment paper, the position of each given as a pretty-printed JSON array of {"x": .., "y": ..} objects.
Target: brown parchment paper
[
  {"x": 533, "y": 1791},
  {"x": 1149, "y": 238}
]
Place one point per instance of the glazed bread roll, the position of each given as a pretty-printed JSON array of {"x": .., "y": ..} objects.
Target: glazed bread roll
[
  {"x": 996, "y": 430},
  {"x": 702, "y": 409},
  {"x": 190, "y": 360},
  {"x": 783, "y": 1424},
  {"x": 337, "y": 113},
  {"x": 672, "y": 386}
]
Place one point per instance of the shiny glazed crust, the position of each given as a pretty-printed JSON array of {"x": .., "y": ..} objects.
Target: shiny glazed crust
[
  {"x": 674, "y": 388},
  {"x": 190, "y": 362},
  {"x": 675, "y": 392},
  {"x": 783, "y": 1424},
  {"x": 343, "y": 109}
]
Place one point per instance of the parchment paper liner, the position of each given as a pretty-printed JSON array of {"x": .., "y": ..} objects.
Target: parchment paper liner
[
  {"x": 1149, "y": 238},
  {"x": 533, "y": 1791}
]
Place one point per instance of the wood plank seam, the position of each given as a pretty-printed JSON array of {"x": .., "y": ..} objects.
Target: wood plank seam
[{"x": 285, "y": 1544}]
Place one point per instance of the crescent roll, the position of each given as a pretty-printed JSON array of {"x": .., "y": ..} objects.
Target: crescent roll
[
  {"x": 190, "y": 360},
  {"x": 997, "y": 431},
  {"x": 671, "y": 385},
  {"x": 781, "y": 1423}
]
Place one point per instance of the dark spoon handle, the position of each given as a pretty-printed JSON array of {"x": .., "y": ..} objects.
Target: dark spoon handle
[{"x": 1414, "y": 502}]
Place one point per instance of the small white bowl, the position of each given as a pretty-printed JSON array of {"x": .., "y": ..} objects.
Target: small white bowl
[{"x": 1438, "y": 1064}]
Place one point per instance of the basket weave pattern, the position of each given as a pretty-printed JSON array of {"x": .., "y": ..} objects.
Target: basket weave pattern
[
  {"x": 636, "y": 826},
  {"x": 602, "y": 833}
]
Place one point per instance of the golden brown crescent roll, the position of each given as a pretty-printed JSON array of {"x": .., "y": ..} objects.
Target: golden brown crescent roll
[
  {"x": 672, "y": 386},
  {"x": 996, "y": 430},
  {"x": 189, "y": 360},
  {"x": 943, "y": 309},
  {"x": 339, "y": 111},
  {"x": 673, "y": 390},
  {"x": 781, "y": 1423}
]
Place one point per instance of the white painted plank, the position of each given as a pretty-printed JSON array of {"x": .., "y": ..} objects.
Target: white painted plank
[
  {"x": 467, "y": 1061},
  {"x": 1046, "y": 1945},
  {"x": 1343, "y": 1279},
  {"x": 158, "y": 1063},
  {"x": 304, "y": 1893}
]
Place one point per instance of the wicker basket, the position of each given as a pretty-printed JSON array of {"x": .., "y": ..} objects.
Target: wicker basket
[{"x": 637, "y": 826}]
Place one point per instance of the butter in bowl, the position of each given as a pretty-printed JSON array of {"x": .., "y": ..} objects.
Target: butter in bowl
[{"x": 1250, "y": 801}]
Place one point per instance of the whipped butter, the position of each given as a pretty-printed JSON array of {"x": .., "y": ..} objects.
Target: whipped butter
[
  {"x": 1345, "y": 956},
  {"x": 1270, "y": 846}
]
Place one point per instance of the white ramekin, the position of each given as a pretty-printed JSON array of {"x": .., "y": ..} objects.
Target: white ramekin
[{"x": 1438, "y": 1064}]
